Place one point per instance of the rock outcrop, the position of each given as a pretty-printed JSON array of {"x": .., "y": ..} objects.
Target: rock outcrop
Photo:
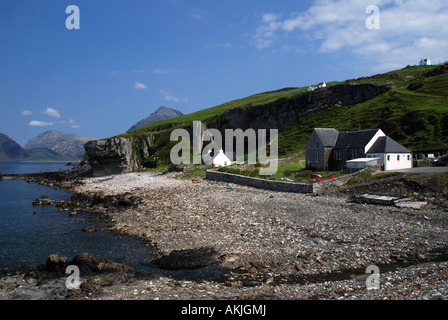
[
  {"x": 126, "y": 154},
  {"x": 283, "y": 113},
  {"x": 117, "y": 155}
]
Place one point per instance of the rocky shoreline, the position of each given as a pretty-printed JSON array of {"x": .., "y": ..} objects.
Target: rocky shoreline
[{"x": 273, "y": 245}]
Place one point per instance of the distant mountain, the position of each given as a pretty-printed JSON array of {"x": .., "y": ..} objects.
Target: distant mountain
[
  {"x": 11, "y": 150},
  {"x": 64, "y": 144},
  {"x": 160, "y": 114}
]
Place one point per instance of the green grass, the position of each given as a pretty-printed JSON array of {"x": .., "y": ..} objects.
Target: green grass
[
  {"x": 414, "y": 114},
  {"x": 210, "y": 113},
  {"x": 293, "y": 170},
  {"x": 416, "y": 119},
  {"x": 369, "y": 177}
]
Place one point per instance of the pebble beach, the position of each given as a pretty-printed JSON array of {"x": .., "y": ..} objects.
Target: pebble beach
[{"x": 281, "y": 246}]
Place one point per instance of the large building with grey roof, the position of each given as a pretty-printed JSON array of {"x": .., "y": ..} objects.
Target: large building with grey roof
[{"x": 330, "y": 149}]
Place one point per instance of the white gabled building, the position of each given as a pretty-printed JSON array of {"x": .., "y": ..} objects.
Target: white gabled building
[
  {"x": 425, "y": 62},
  {"x": 322, "y": 85},
  {"x": 394, "y": 156},
  {"x": 219, "y": 160}
]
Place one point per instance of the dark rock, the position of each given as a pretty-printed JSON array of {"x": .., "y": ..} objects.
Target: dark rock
[
  {"x": 98, "y": 197},
  {"x": 187, "y": 259},
  {"x": 90, "y": 264},
  {"x": 43, "y": 201},
  {"x": 56, "y": 264},
  {"x": 126, "y": 202}
]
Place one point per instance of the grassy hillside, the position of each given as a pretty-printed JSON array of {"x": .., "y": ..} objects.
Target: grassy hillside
[
  {"x": 418, "y": 119},
  {"x": 415, "y": 113}
]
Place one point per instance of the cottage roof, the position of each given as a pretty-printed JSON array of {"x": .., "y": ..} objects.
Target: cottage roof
[
  {"x": 327, "y": 136},
  {"x": 354, "y": 139},
  {"x": 387, "y": 145}
]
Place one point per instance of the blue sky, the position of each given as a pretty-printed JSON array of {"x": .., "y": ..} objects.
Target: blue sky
[{"x": 130, "y": 57}]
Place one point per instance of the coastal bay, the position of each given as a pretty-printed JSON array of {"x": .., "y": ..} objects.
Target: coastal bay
[{"x": 274, "y": 245}]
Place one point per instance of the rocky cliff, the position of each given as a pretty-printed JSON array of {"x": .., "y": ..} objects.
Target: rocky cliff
[
  {"x": 283, "y": 113},
  {"x": 117, "y": 155}
]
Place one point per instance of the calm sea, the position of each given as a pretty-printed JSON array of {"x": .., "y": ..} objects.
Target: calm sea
[{"x": 28, "y": 234}]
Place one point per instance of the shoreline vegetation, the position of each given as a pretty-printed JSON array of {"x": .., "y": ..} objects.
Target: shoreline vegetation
[{"x": 272, "y": 245}]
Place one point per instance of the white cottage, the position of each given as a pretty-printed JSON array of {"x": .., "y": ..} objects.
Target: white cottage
[
  {"x": 219, "y": 160},
  {"x": 322, "y": 85},
  {"x": 394, "y": 156},
  {"x": 425, "y": 62}
]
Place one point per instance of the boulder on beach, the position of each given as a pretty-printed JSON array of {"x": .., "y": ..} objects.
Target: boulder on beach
[
  {"x": 89, "y": 264},
  {"x": 187, "y": 259},
  {"x": 43, "y": 201}
]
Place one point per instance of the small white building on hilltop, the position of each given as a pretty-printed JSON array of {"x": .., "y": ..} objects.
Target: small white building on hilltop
[
  {"x": 425, "y": 62},
  {"x": 322, "y": 85}
]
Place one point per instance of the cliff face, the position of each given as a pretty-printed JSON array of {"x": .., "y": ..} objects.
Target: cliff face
[
  {"x": 117, "y": 155},
  {"x": 283, "y": 113}
]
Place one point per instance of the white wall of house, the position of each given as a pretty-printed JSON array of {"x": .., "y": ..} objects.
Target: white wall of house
[
  {"x": 397, "y": 161},
  {"x": 221, "y": 160}
]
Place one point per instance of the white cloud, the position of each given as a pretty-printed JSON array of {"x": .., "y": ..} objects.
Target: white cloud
[
  {"x": 409, "y": 30},
  {"x": 227, "y": 44},
  {"x": 26, "y": 113},
  {"x": 52, "y": 113},
  {"x": 170, "y": 97},
  {"x": 198, "y": 14},
  {"x": 75, "y": 126},
  {"x": 36, "y": 123},
  {"x": 140, "y": 86}
]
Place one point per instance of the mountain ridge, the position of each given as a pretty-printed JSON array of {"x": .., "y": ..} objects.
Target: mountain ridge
[
  {"x": 51, "y": 145},
  {"x": 66, "y": 144},
  {"x": 163, "y": 113}
]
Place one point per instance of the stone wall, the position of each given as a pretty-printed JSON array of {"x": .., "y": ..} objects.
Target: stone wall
[{"x": 280, "y": 186}]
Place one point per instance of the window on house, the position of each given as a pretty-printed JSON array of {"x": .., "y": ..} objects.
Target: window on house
[
  {"x": 317, "y": 159},
  {"x": 398, "y": 158},
  {"x": 388, "y": 158},
  {"x": 317, "y": 145},
  {"x": 409, "y": 158},
  {"x": 338, "y": 154}
]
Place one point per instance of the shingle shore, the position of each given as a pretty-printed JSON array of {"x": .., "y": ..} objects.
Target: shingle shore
[
  {"x": 272, "y": 242},
  {"x": 271, "y": 235}
]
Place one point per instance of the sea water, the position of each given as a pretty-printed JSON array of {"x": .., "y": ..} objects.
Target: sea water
[{"x": 29, "y": 234}]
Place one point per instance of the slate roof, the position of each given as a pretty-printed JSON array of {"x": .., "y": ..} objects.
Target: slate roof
[
  {"x": 359, "y": 140},
  {"x": 354, "y": 139},
  {"x": 387, "y": 145},
  {"x": 327, "y": 137}
]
